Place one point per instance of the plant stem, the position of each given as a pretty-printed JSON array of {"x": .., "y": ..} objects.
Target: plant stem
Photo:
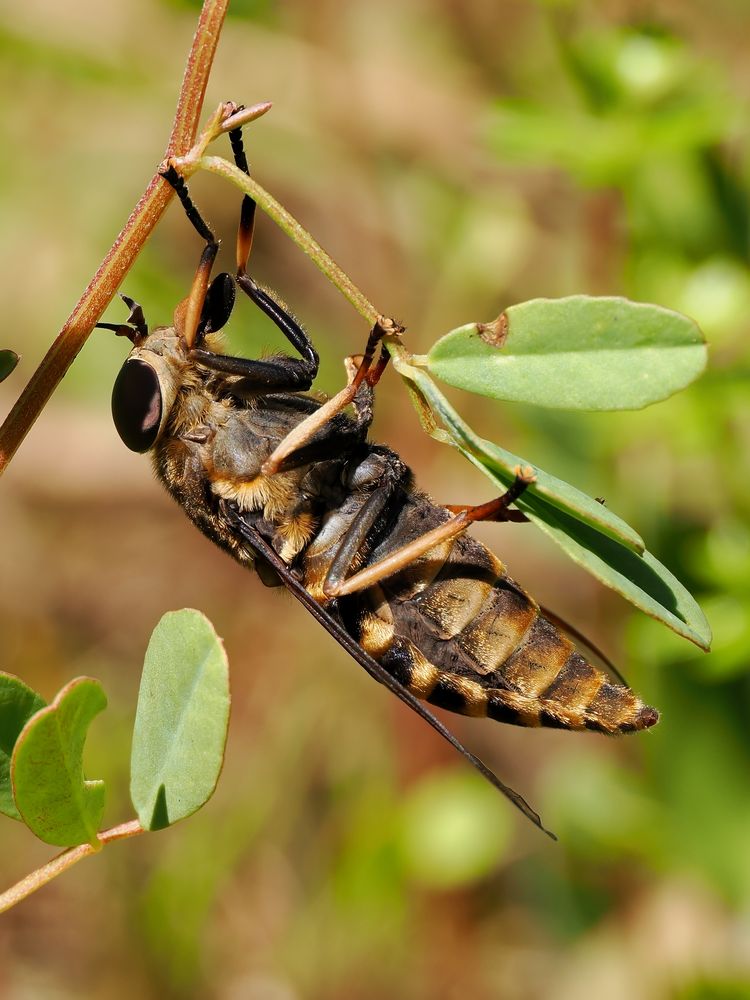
[
  {"x": 102, "y": 287},
  {"x": 296, "y": 232},
  {"x": 35, "y": 880}
]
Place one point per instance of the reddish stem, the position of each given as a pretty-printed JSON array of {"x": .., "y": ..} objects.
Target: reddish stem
[
  {"x": 127, "y": 246},
  {"x": 63, "y": 861}
]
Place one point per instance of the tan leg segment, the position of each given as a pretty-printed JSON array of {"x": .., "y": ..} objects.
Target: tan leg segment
[
  {"x": 187, "y": 315},
  {"x": 304, "y": 431},
  {"x": 403, "y": 557}
]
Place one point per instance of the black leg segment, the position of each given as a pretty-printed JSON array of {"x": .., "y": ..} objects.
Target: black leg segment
[
  {"x": 178, "y": 183},
  {"x": 281, "y": 373},
  {"x": 247, "y": 211}
]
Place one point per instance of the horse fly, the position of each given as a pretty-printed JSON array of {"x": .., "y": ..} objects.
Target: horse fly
[{"x": 292, "y": 487}]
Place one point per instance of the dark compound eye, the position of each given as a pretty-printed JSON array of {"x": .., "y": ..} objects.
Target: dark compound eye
[{"x": 137, "y": 405}]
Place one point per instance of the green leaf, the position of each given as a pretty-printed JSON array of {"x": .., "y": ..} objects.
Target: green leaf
[
  {"x": 17, "y": 704},
  {"x": 8, "y": 361},
  {"x": 578, "y": 353},
  {"x": 52, "y": 796},
  {"x": 608, "y": 555},
  {"x": 181, "y": 722},
  {"x": 639, "y": 577}
]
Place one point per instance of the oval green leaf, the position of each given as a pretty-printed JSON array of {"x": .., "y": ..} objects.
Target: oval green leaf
[
  {"x": 576, "y": 353},
  {"x": 581, "y": 526},
  {"x": 17, "y": 704},
  {"x": 8, "y": 361},
  {"x": 181, "y": 722},
  {"x": 52, "y": 796}
]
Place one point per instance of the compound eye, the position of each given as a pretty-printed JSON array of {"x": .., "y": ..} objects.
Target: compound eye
[{"x": 137, "y": 405}]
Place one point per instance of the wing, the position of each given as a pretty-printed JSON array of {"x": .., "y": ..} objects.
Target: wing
[{"x": 256, "y": 541}]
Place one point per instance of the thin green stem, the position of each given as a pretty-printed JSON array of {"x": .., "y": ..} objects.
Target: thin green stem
[
  {"x": 35, "y": 880},
  {"x": 297, "y": 233}
]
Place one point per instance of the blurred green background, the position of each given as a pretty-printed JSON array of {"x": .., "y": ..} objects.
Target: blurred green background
[{"x": 454, "y": 157}]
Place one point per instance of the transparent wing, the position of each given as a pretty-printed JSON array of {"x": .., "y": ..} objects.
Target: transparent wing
[{"x": 259, "y": 545}]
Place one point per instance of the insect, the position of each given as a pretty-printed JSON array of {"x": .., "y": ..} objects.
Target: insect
[{"x": 293, "y": 488}]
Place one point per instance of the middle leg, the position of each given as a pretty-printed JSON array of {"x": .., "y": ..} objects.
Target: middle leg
[{"x": 495, "y": 510}]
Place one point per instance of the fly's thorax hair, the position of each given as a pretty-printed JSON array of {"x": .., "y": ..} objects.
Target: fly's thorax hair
[
  {"x": 274, "y": 495},
  {"x": 194, "y": 407},
  {"x": 199, "y": 401}
]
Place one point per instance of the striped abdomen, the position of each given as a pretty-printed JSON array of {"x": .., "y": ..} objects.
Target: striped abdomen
[{"x": 458, "y": 632}]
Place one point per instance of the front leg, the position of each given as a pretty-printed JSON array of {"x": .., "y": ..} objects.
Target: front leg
[
  {"x": 365, "y": 371},
  {"x": 279, "y": 374}
]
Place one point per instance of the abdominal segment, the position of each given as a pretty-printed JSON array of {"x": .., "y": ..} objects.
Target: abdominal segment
[{"x": 459, "y": 633}]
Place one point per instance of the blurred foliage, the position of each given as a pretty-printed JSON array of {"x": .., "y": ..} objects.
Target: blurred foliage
[{"x": 455, "y": 158}]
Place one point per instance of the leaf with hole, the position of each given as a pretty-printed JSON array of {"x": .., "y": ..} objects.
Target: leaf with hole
[
  {"x": 576, "y": 353},
  {"x": 17, "y": 704},
  {"x": 181, "y": 721},
  {"x": 53, "y": 797}
]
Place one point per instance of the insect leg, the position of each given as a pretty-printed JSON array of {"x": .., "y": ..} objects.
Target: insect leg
[
  {"x": 282, "y": 373},
  {"x": 366, "y": 371},
  {"x": 309, "y": 428},
  {"x": 247, "y": 211},
  {"x": 516, "y": 516},
  {"x": 495, "y": 510},
  {"x": 171, "y": 176},
  {"x": 337, "y": 437},
  {"x": 498, "y": 509},
  {"x": 390, "y": 476},
  {"x": 189, "y": 312}
]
